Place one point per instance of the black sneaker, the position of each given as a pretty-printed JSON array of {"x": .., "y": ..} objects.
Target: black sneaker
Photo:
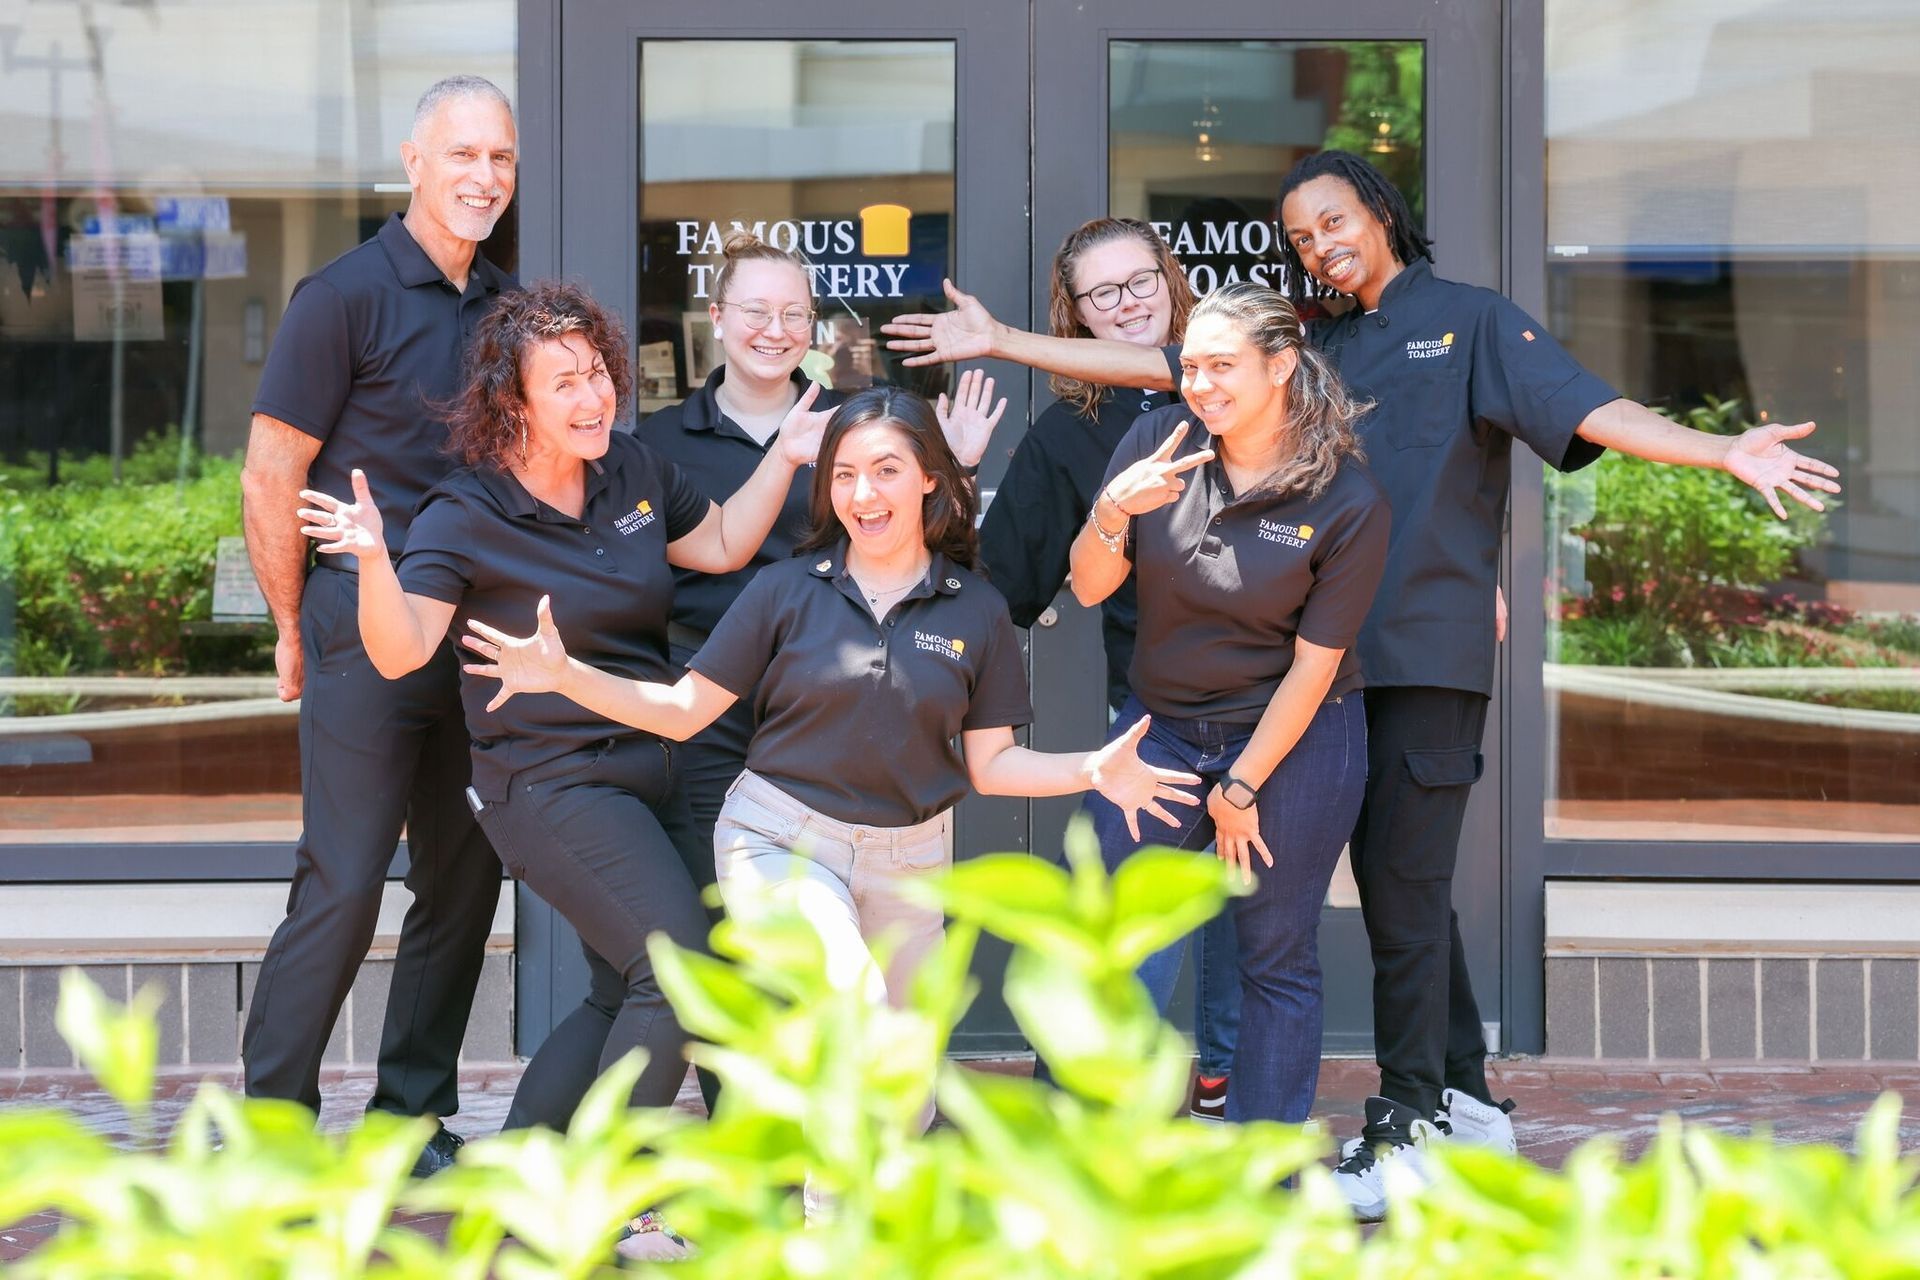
[
  {"x": 1393, "y": 1138},
  {"x": 439, "y": 1153},
  {"x": 1209, "y": 1100}
]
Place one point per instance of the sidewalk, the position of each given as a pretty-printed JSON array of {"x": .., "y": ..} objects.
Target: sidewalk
[{"x": 1561, "y": 1103}]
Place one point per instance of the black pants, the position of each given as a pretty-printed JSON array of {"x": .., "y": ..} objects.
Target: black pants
[
  {"x": 710, "y": 760},
  {"x": 604, "y": 836},
  {"x": 1423, "y": 757},
  {"x": 374, "y": 754}
]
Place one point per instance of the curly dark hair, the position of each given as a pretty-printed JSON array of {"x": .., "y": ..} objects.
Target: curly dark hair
[
  {"x": 947, "y": 515},
  {"x": 485, "y": 416}
]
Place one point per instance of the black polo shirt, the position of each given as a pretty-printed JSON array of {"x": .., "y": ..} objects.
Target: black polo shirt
[
  {"x": 483, "y": 544},
  {"x": 1027, "y": 537},
  {"x": 1227, "y": 583},
  {"x": 1456, "y": 374},
  {"x": 719, "y": 457},
  {"x": 860, "y": 719},
  {"x": 369, "y": 343}
]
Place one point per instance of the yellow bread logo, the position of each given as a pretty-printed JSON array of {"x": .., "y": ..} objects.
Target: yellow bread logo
[
  {"x": 883, "y": 230},
  {"x": 959, "y": 646},
  {"x": 643, "y": 506},
  {"x": 1447, "y": 341},
  {"x": 1306, "y": 532}
]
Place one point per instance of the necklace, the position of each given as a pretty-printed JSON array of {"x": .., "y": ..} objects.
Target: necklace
[{"x": 875, "y": 595}]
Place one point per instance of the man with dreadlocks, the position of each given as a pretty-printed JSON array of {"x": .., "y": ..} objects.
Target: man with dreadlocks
[{"x": 1456, "y": 373}]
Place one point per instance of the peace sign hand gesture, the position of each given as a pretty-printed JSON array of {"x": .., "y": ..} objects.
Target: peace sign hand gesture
[
  {"x": 1154, "y": 481},
  {"x": 966, "y": 423},
  {"x": 1761, "y": 458},
  {"x": 522, "y": 664}
]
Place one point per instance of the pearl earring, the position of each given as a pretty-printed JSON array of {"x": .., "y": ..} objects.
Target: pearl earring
[{"x": 717, "y": 335}]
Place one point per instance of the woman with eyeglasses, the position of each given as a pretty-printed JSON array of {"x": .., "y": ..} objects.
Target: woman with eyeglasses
[
  {"x": 763, "y": 318},
  {"x": 1112, "y": 278}
]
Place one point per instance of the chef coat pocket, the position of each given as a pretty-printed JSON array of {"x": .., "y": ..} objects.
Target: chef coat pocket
[{"x": 1427, "y": 407}]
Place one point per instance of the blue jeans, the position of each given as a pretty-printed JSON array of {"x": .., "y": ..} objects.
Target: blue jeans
[{"x": 1307, "y": 810}]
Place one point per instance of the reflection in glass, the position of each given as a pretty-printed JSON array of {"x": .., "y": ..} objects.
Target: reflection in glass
[
  {"x": 840, "y": 149},
  {"x": 167, "y": 174},
  {"x": 1731, "y": 236},
  {"x": 1201, "y": 132}
]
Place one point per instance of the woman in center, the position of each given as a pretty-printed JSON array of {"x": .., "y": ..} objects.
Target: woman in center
[
  {"x": 868, "y": 656},
  {"x": 1256, "y": 561}
]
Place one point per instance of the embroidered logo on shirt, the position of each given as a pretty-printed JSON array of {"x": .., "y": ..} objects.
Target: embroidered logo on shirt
[
  {"x": 637, "y": 519},
  {"x": 955, "y": 649},
  {"x": 1292, "y": 535},
  {"x": 1430, "y": 348}
]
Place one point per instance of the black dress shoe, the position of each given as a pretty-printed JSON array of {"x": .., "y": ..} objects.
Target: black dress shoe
[{"x": 439, "y": 1152}]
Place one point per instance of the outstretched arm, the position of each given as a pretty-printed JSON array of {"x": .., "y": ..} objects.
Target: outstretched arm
[
  {"x": 1758, "y": 457},
  {"x": 539, "y": 664},
  {"x": 278, "y": 458},
  {"x": 999, "y": 768},
  {"x": 968, "y": 332}
]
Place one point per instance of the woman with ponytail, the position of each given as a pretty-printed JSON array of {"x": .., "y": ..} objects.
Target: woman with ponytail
[{"x": 1257, "y": 559}]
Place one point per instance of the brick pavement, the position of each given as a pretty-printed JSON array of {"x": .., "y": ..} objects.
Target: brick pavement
[{"x": 1561, "y": 1103}]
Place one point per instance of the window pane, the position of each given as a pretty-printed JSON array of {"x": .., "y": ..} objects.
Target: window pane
[
  {"x": 1731, "y": 196},
  {"x": 1201, "y": 132},
  {"x": 841, "y": 149},
  {"x": 167, "y": 173}
]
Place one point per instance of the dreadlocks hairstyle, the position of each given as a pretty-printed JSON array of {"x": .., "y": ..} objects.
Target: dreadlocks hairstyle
[
  {"x": 1063, "y": 317},
  {"x": 1382, "y": 199},
  {"x": 947, "y": 515},
  {"x": 486, "y": 418},
  {"x": 1320, "y": 411}
]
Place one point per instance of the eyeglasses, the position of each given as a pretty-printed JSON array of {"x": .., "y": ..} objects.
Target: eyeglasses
[
  {"x": 758, "y": 317},
  {"x": 1105, "y": 297}
]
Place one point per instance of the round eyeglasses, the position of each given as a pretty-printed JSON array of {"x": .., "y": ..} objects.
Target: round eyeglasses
[
  {"x": 1105, "y": 297},
  {"x": 758, "y": 317}
]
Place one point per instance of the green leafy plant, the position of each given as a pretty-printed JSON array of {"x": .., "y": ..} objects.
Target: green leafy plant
[
  {"x": 102, "y": 575},
  {"x": 1098, "y": 1179}
]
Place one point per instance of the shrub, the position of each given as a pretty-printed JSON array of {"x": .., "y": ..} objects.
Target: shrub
[
  {"x": 1098, "y": 1180},
  {"x": 103, "y": 574}
]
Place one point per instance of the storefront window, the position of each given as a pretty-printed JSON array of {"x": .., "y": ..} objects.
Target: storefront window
[
  {"x": 1201, "y": 132},
  {"x": 1732, "y": 236},
  {"x": 167, "y": 173},
  {"x": 840, "y": 149}
]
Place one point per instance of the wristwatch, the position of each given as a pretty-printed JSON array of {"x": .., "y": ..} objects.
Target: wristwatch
[{"x": 1232, "y": 784}]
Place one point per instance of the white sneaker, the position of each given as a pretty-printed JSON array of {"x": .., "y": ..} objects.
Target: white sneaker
[
  {"x": 1386, "y": 1160},
  {"x": 1473, "y": 1123}
]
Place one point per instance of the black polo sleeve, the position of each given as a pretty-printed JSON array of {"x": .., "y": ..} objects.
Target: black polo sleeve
[
  {"x": 687, "y": 506},
  {"x": 309, "y": 369},
  {"x": 741, "y": 644},
  {"x": 438, "y": 559},
  {"x": 1172, "y": 353},
  {"x": 1027, "y": 536},
  {"x": 1000, "y": 699},
  {"x": 1525, "y": 383},
  {"x": 1347, "y": 569}
]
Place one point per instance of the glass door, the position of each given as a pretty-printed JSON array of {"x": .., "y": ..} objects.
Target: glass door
[
  {"x": 1191, "y": 128},
  {"x": 890, "y": 147}
]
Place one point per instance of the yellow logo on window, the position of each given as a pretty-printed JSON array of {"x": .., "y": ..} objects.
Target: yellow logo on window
[{"x": 883, "y": 230}]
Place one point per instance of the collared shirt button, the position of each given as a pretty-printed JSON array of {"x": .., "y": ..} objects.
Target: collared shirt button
[{"x": 599, "y": 551}]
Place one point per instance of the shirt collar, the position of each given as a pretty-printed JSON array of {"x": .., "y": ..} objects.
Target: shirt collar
[
  {"x": 516, "y": 501},
  {"x": 414, "y": 268},
  {"x": 946, "y": 577},
  {"x": 702, "y": 410},
  {"x": 1411, "y": 277}
]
